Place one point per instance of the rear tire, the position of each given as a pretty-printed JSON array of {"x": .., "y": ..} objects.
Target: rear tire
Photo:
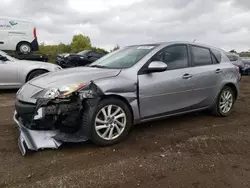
[
  {"x": 24, "y": 47},
  {"x": 110, "y": 121},
  {"x": 35, "y": 74},
  {"x": 224, "y": 102}
]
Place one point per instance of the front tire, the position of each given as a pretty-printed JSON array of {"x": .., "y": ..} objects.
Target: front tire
[
  {"x": 224, "y": 102},
  {"x": 111, "y": 122}
]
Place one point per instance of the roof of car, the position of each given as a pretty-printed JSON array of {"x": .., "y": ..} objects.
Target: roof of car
[{"x": 179, "y": 42}]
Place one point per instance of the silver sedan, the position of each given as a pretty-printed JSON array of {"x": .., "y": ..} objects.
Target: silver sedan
[{"x": 14, "y": 73}]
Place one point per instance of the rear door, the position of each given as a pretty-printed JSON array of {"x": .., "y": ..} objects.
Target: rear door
[
  {"x": 207, "y": 75},
  {"x": 3, "y": 34}
]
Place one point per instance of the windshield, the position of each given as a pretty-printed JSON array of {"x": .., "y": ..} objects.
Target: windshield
[
  {"x": 6, "y": 55},
  {"x": 124, "y": 58},
  {"x": 83, "y": 52}
]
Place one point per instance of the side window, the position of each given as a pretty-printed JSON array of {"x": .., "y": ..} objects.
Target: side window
[
  {"x": 230, "y": 57},
  {"x": 217, "y": 54},
  {"x": 236, "y": 58},
  {"x": 201, "y": 56},
  {"x": 215, "y": 61},
  {"x": 94, "y": 54},
  {"x": 176, "y": 57},
  {"x": 90, "y": 54}
]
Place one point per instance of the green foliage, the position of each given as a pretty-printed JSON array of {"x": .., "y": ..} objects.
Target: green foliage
[
  {"x": 115, "y": 48},
  {"x": 233, "y": 51},
  {"x": 98, "y": 49},
  {"x": 241, "y": 54},
  {"x": 245, "y": 54},
  {"x": 78, "y": 43}
]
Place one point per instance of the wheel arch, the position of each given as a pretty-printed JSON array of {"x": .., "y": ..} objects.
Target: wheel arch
[
  {"x": 233, "y": 87},
  {"x": 122, "y": 99},
  {"x": 228, "y": 84},
  {"x": 33, "y": 70}
]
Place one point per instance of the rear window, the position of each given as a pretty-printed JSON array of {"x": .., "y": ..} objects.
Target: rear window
[
  {"x": 232, "y": 57},
  {"x": 201, "y": 56},
  {"x": 217, "y": 54}
]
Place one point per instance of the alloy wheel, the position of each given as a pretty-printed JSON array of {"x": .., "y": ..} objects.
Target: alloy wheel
[
  {"x": 25, "y": 48},
  {"x": 226, "y": 101},
  {"x": 110, "y": 122}
]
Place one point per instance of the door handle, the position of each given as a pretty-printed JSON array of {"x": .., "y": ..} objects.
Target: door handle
[
  {"x": 187, "y": 76},
  {"x": 218, "y": 71},
  {"x": 1, "y": 42}
]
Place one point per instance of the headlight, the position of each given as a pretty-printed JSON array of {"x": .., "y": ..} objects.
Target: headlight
[{"x": 61, "y": 92}]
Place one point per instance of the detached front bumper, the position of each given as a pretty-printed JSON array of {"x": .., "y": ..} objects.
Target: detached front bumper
[
  {"x": 48, "y": 126},
  {"x": 35, "y": 139}
]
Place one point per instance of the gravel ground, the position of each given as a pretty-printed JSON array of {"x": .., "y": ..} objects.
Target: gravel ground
[{"x": 195, "y": 150}]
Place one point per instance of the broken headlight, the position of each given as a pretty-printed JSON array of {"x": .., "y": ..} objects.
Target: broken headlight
[{"x": 61, "y": 92}]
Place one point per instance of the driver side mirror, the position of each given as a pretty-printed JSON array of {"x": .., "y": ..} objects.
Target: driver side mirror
[
  {"x": 156, "y": 66},
  {"x": 3, "y": 58}
]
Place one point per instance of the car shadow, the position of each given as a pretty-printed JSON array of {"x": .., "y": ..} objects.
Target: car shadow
[
  {"x": 155, "y": 126},
  {"x": 8, "y": 91}
]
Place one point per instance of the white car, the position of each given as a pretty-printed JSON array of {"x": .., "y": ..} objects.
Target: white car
[
  {"x": 14, "y": 73},
  {"x": 18, "y": 35}
]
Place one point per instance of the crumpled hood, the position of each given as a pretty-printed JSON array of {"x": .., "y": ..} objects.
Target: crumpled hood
[{"x": 72, "y": 75}]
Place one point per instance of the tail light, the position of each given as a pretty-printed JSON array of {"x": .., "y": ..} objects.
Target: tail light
[
  {"x": 238, "y": 68},
  {"x": 35, "y": 33}
]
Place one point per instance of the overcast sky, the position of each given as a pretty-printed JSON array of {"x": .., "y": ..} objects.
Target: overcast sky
[{"x": 222, "y": 23}]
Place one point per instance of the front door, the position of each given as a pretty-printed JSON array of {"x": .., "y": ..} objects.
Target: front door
[{"x": 168, "y": 92}]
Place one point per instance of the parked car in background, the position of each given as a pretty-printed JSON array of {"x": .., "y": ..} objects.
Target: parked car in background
[
  {"x": 237, "y": 61},
  {"x": 14, "y": 73},
  {"x": 246, "y": 61},
  {"x": 18, "y": 35},
  {"x": 82, "y": 58},
  {"x": 30, "y": 56},
  {"x": 131, "y": 85}
]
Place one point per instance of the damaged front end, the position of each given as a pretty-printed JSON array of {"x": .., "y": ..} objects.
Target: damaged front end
[{"x": 54, "y": 120}]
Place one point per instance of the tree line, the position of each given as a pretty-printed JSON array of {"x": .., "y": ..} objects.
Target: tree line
[
  {"x": 79, "y": 43},
  {"x": 241, "y": 54}
]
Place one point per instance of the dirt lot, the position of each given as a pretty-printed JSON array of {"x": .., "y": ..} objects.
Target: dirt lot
[{"x": 195, "y": 150}]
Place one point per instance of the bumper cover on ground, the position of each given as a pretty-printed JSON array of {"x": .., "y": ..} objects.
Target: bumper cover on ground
[{"x": 35, "y": 139}]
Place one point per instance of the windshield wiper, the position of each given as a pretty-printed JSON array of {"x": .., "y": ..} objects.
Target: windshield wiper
[{"x": 98, "y": 66}]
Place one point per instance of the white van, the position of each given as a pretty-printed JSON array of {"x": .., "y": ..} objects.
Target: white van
[{"x": 18, "y": 35}]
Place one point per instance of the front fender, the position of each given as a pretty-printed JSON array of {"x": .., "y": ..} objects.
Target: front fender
[{"x": 122, "y": 87}]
